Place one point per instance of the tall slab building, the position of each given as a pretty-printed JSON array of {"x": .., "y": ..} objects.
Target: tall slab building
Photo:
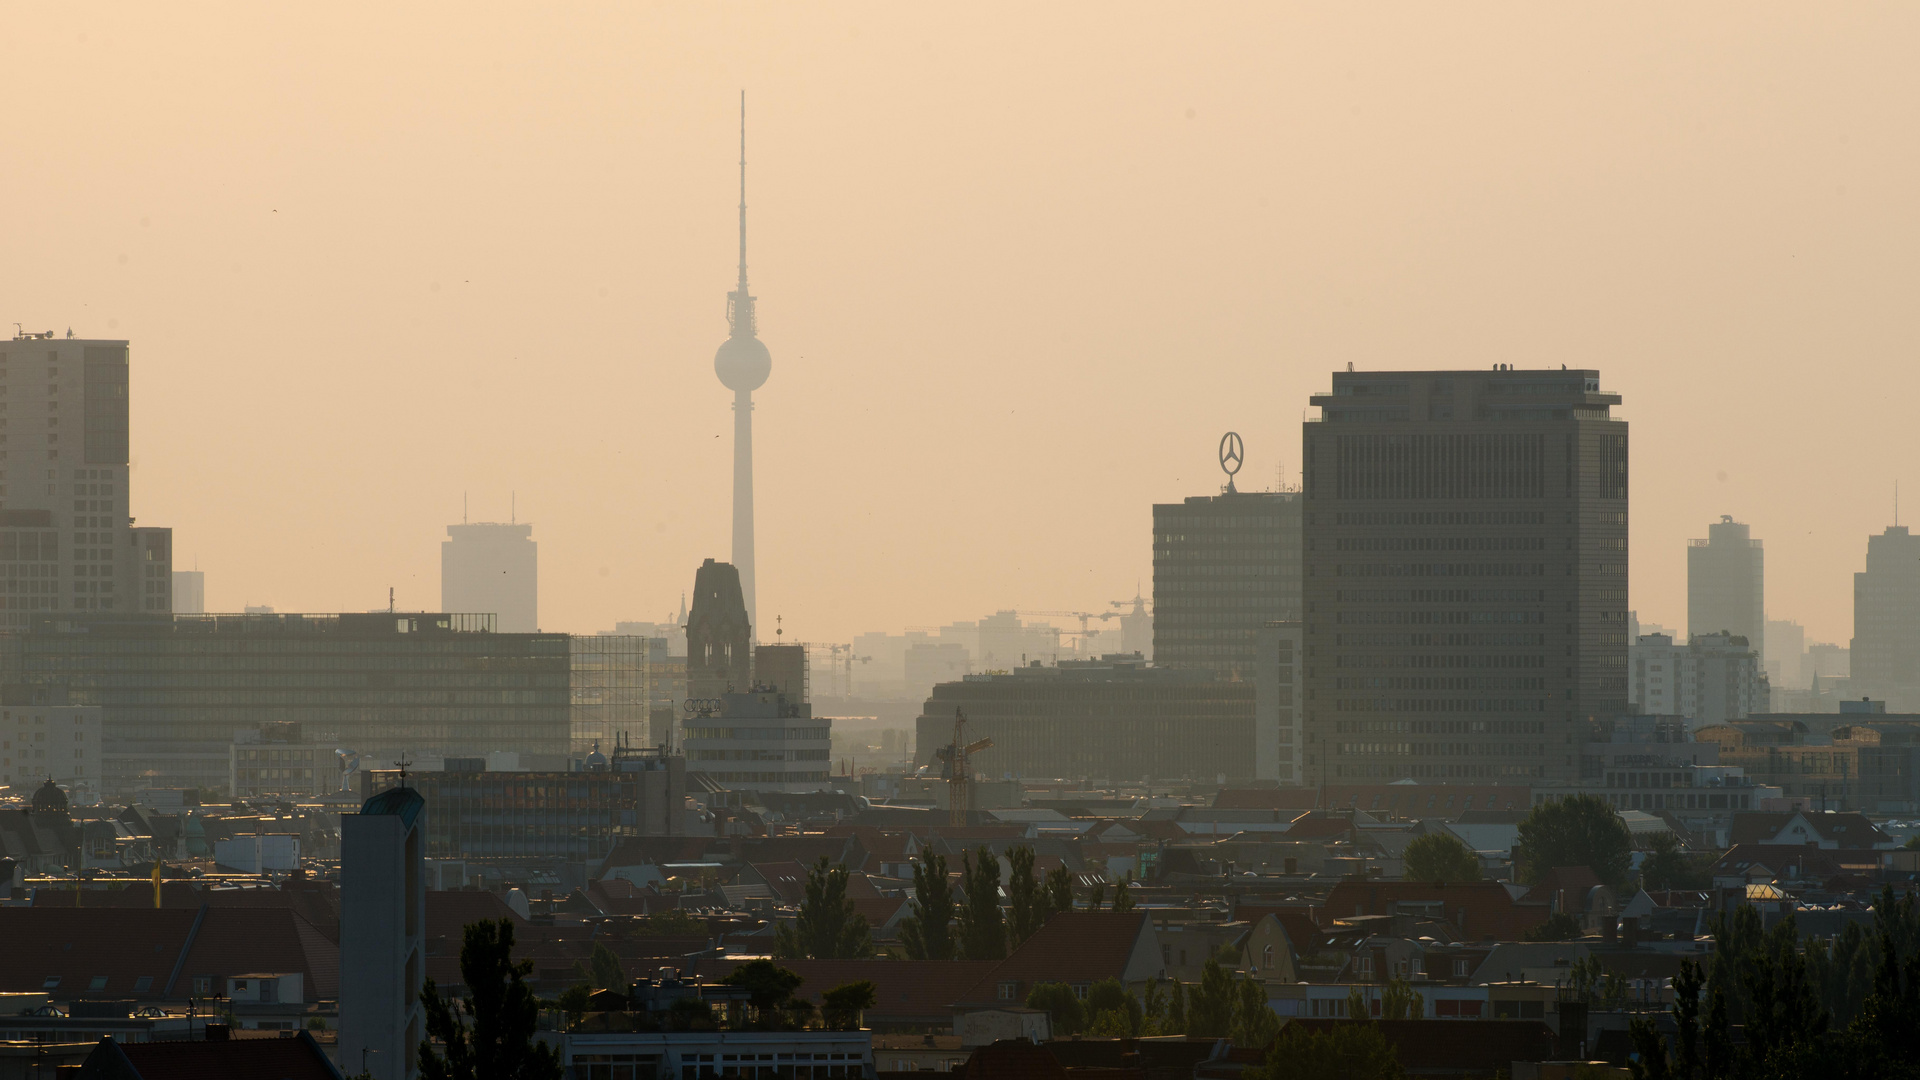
[
  {"x": 67, "y": 540},
  {"x": 492, "y": 568},
  {"x": 1886, "y": 620},
  {"x": 1466, "y": 586},
  {"x": 1224, "y": 566},
  {"x": 1727, "y": 584}
]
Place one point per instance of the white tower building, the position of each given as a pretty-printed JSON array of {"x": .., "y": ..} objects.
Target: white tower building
[
  {"x": 383, "y": 954},
  {"x": 743, "y": 364}
]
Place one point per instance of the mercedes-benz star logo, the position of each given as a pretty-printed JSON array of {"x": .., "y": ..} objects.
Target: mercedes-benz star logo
[{"x": 1232, "y": 453}]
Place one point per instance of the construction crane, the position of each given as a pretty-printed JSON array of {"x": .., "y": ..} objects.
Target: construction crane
[{"x": 957, "y": 768}]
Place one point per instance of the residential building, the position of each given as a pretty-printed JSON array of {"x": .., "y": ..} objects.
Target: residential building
[
  {"x": 481, "y": 816},
  {"x": 71, "y": 496},
  {"x": 174, "y": 689},
  {"x": 1726, "y": 584},
  {"x": 276, "y": 759},
  {"x": 492, "y": 568},
  {"x": 719, "y": 638},
  {"x": 1278, "y": 746},
  {"x": 1885, "y": 659},
  {"x": 609, "y": 678},
  {"x": 1113, "y": 718},
  {"x": 60, "y": 743},
  {"x": 189, "y": 592},
  {"x": 763, "y": 741},
  {"x": 1711, "y": 679},
  {"x": 1466, "y": 588},
  {"x": 383, "y": 947},
  {"x": 1223, "y": 567},
  {"x": 1871, "y": 764}
]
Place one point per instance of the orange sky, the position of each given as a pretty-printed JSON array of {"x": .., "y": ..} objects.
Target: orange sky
[{"x": 1019, "y": 266}]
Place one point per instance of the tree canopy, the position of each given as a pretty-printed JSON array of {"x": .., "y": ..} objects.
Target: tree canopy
[
  {"x": 1340, "y": 1052},
  {"x": 927, "y": 934},
  {"x": 983, "y": 928},
  {"x": 829, "y": 927},
  {"x": 499, "y": 1044},
  {"x": 1441, "y": 858},
  {"x": 1578, "y": 830}
]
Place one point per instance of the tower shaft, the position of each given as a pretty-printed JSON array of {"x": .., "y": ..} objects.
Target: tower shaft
[{"x": 743, "y": 500}]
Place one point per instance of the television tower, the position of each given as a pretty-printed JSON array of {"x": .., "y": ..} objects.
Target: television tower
[{"x": 743, "y": 365}]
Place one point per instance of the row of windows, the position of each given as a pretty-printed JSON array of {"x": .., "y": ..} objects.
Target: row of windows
[
  {"x": 1484, "y": 466},
  {"x": 1439, "y": 596},
  {"x": 1404, "y": 661},
  {"x": 1356, "y": 640},
  {"x": 1440, "y": 570},
  {"x": 759, "y": 755},
  {"x": 1376, "y": 518},
  {"x": 802, "y": 734},
  {"x": 1439, "y": 705},
  {"x": 1441, "y": 727},
  {"x": 1442, "y": 682},
  {"x": 1440, "y": 543},
  {"x": 1399, "y": 749},
  {"x": 1437, "y": 618}
]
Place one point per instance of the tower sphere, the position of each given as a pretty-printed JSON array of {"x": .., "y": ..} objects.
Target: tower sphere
[{"x": 742, "y": 363}]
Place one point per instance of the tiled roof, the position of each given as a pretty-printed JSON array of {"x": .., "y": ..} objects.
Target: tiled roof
[
  {"x": 120, "y": 947},
  {"x": 298, "y": 1058},
  {"x": 451, "y": 911},
  {"x": 1074, "y": 946},
  {"x": 1011, "y": 1059},
  {"x": 1802, "y": 862},
  {"x": 1478, "y": 909}
]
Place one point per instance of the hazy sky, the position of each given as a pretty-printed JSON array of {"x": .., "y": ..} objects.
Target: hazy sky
[{"x": 1019, "y": 267}]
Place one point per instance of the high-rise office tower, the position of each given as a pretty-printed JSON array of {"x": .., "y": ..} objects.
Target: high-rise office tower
[
  {"x": 67, "y": 542},
  {"x": 190, "y": 592},
  {"x": 743, "y": 364},
  {"x": 490, "y": 568},
  {"x": 1223, "y": 567},
  {"x": 1466, "y": 589},
  {"x": 1726, "y": 584},
  {"x": 1886, "y": 619}
]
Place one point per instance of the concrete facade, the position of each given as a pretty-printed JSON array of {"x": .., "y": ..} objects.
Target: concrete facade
[
  {"x": 383, "y": 911},
  {"x": 492, "y": 568},
  {"x": 1727, "y": 584}
]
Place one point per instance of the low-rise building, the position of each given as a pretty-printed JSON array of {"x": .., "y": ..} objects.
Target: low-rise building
[
  {"x": 1711, "y": 679},
  {"x": 760, "y": 741}
]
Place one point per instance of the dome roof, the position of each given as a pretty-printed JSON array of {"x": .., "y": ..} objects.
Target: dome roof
[
  {"x": 50, "y": 797},
  {"x": 742, "y": 363},
  {"x": 596, "y": 761}
]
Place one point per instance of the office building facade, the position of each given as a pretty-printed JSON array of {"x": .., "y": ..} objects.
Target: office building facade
[
  {"x": 1885, "y": 655},
  {"x": 277, "y": 759},
  {"x": 67, "y": 540},
  {"x": 610, "y": 684},
  {"x": 174, "y": 690},
  {"x": 58, "y": 743},
  {"x": 1466, "y": 588},
  {"x": 1277, "y": 736},
  {"x": 1727, "y": 584},
  {"x": 1108, "y": 719},
  {"x": 1223, "y": 567},
  {"x": 495, "y": 569},
  {"x": 383, "y": 939},
  {"x": 763, "y": 741},
  {"x": 190, "y": 592},
  {"x": 1711, "y": 679}
]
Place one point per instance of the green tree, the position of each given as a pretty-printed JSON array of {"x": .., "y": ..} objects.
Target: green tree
[
  {"x": 983, "y": 929},
  {"x": 1061, "y": 1005},
  {"x": 1122, "y": 899},
  {"x": 1668, "y": 866},
  {"x": 1026, "y": 898},
  {"x": 1559, "y": 926},
  {"x": 841, "y": 1006},
  {"x": 1096, "y": 898},
  {"x": 1579, "y": 830},
  {"x": 1111, "y": 1010},
  {"x": 927, "y": 934},
  {"x": 1059, "y": 889},
  {"x": 1400, "y": 1001},
  {"x": 602, "y": 971},
  {"x": 499, "y": 1045},
  {"x": 1213, "y": 1002},
  {"x": 1441, "y": 858},
  {"x": 770, "y": 990},
  {"x": 1254, "y": 1021},
  {"x": 1157, "y": 1011},
  {"x": 574, "y": 1001},
  {"x": 829, "y": 926},
  {"x": 1340, "y": 1052}
]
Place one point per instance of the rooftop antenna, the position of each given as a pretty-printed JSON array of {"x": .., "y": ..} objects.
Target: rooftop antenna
[
  {"x": 513, "y": 509},
  {"x": 403, "y": 763},
  {"x": 463, "y": 508},
  {"x": 389, "y": 599}
]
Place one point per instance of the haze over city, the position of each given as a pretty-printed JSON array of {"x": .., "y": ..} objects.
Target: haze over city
[{"x": 1018, "y": 271}]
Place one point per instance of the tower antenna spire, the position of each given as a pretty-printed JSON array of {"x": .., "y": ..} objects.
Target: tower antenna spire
[{"x": 743, "y": 192}]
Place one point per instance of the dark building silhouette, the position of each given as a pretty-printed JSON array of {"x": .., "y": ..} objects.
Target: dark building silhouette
[
  {"x": 719, "y": 649},
  {"x": 1466, "y": 588},
  {"x": 1223, "y": 567},
  {"x": 1886, "y": 619}
]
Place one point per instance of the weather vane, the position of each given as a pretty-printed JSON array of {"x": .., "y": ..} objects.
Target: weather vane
[{"x": 1232, "y": 453}]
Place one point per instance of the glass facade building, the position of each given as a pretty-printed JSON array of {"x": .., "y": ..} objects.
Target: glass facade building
[
  {"x": 1223, "y": 567},
  {"x": 175, "y": 689}
]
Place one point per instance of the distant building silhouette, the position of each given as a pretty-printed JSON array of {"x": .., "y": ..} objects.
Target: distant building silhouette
[
  {"x": 719, "y": 637},
  {"x": 66, "y": 540},
  {"x": 190, "y": 592},
  {"x": 1466, "y": 589},
  {"x": 1726, "y": 584},
  {"x": 1886, "y": 620},
  {"x": 743, "y": 364},
  {"x": 492, "y": 568}
]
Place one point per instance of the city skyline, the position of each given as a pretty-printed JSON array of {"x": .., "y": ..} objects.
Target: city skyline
[{"x": 503, "y": 270}]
